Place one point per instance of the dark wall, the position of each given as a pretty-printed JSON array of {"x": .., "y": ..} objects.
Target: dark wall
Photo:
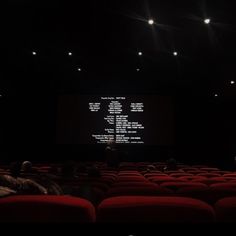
[{"x": 206, "y": 130}]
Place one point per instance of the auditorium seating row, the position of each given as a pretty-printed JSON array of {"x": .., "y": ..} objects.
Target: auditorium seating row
[
  {"x": 123, "y": 209},
  {"x": 133, "y": 192}
]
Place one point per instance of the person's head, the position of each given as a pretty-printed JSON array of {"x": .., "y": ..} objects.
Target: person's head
[
  {"x": 111, "y": 143},
  {"x": 26, "y": 166}
]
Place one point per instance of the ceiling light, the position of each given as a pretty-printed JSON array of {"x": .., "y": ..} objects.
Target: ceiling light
[
  {"x": 34, "y": 53},
  {"x": 207, "y": 21},
  {"x": 175, "y": 54},
  {"x": 216, "y": 95},
  {"x": 137, "y": 69},
  {"x": 151, "y": 22},
  {"x": 70, "y": 53},
  {"x": 232, "y": 82},
  {"x": 140, "y": 53},
  {"x": 79, "y": 69}
]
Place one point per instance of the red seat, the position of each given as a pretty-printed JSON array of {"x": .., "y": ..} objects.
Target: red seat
[
  {"x": 134, "y": 184},
  {"x": 154, "y": 175},
  {"x": 226, "y": 209},
  {"x": 162, "y": 179},
  {"x": 187, "y": 169},
  {"x": 177, "y": 175},
  {"x": 196, "y": 172},
  {"x": 199, "y": 166},
  {"x": 214, "y": 180},
  {"x": 131, "y": 179},
  {"x": 209, "y": 169},
  {"x": 197, "y": 192},
  {"x": 139, "y": 191},
  {"x": 224, "y": 185},
  {"x": 209, "y": 175},
  {"x": 177, "y": 185},
  {"x": 169, "y": 172},
  {"x": 45, "y": 208},
  {"x": 221, "y": 172},
  {"x": 154, "y": 209},
  {"x": 193, "y": 178},
  {"x": 220, "y": 190},
  {"x": 129, "y": 175},
  {"x": 230, "y": 175}
]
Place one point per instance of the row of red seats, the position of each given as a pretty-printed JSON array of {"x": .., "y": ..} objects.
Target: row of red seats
[{"x": 118, "y": 209}]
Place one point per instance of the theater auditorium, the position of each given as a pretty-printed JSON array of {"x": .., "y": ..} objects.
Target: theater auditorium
[{"x": 118, "y": 112}]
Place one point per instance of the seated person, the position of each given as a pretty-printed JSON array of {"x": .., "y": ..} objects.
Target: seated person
[
  {"x": 20, "y": 185},
  {"x": 27, "y": 168},
  {"x": 45, "y": 180},
  {"x": 5, "y": 191},
  {"x": 112, "y": 157}
]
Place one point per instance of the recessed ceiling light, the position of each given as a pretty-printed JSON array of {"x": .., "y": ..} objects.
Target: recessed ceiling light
[
  {"x": 34, "y": 53},
  {"x": 207, "y": 21},
  {"x": 216, "y": 95},
  {"x": 79, "y": 69},
  {"x": 150, "y": 21},
  {"x": 70, "y": 53},
  {"x": 137, "y": 69},
  {"x": 175, "y": 54},
  {"x": 140, "y": 53},
  {"x": 232, "y": 82}
]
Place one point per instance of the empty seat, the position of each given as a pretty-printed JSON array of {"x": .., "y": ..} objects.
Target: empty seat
[
  {"x": 209, "y": 175},
  {"x": 176, "y": 175},
  {"x": 209, "y": 169},
  {"x": 230, "y": 175},
  {"x": 221, "y": 172},
  {"x": 154, "y": 209},
  {"x": 214, "y": 180},
  {"x": 199, "y": 166},
  {"x": 169, "y": 172},
  {"x": 196, "y": 172},
  {"x": 131, "y": 178},
  {"x": 220, "y": 190},
  {"x": 45, "y": 208},
  {"x": 226, "y": 209},
  {"x": 139, "y": 191},
  {"x": 177, "y": 185},
  {"x": 134, "y": 184},
  {"x": 187, "y": 169},
  {"x": 197, "y": 192},
  {"x": 193, "y": 178},
  {"x": 162, "y": 179},
  {"x": 150, "y": 176}
]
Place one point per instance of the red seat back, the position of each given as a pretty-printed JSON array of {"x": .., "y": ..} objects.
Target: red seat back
[
  {"x": 226, "y": 209},
  {"x": 154, "y": 209},
  {"x": 45, "y": 208}
]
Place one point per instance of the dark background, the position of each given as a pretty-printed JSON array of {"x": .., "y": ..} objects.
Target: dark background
[{"x": 105, "y": 37}]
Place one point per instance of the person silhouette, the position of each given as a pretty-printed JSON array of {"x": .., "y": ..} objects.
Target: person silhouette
[{"x": 112, "y": 157}]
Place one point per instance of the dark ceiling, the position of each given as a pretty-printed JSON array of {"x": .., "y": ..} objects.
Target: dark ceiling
[{"x": 105, "y": 38}]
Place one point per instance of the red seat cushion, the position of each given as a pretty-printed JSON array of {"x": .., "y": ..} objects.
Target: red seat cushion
[
  {"x": 177, "y": 185},
  {"x": 140, "y": 191},
  {"x": 46, "y": 209},
  {"x": 154, "y": 209},
  {"x": 226, "y": 209}
]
